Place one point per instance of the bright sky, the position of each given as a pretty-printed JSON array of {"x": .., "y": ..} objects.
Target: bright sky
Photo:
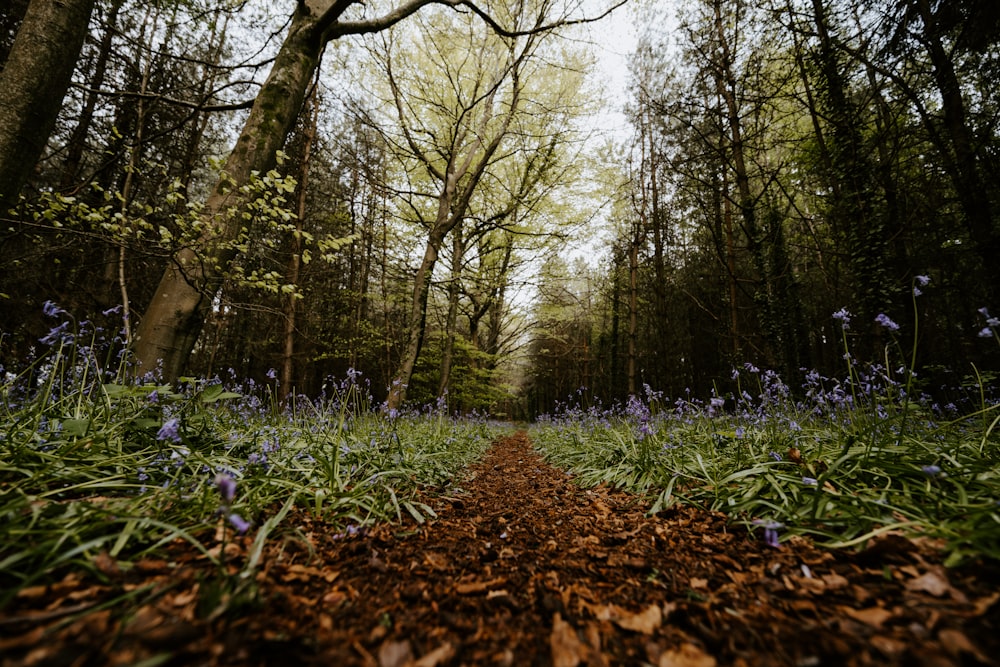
[{"x": 614, "y": 39}]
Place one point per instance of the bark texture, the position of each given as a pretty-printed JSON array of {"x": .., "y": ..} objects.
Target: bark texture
[{"x": 32, "y": 85}]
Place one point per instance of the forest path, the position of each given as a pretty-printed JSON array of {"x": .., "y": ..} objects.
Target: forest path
[{"x": 525, "y": 568}]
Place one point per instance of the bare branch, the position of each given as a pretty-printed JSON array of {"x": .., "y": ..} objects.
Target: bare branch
[
  {"x": 338, "y": 29},
  {"x": 504, "y": 32},
  {"x": 197, "y": 106}
]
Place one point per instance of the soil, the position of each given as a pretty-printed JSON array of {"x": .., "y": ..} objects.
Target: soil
[{"x": 521, "y": 568}]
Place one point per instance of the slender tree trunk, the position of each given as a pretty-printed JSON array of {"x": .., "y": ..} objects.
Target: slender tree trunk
[
  {"x": 32, "y": 85},
  {"x": 295, "y": 260},
  {"x": 968, "y": 181},
  {"x": 421, "y": 290},
  {"x": 727, "y": 225},
  {"x": 447, "y": 355},
  {"x": 78, "y": 140},
  {"x": 633, "y": 311},
  {"x": 853, "y": 214}
]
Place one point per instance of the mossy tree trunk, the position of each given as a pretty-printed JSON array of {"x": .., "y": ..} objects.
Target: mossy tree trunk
[{"x": 33, "y": 82}]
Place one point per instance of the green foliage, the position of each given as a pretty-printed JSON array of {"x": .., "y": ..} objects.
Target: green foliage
[{"x": 267, "y": 224}]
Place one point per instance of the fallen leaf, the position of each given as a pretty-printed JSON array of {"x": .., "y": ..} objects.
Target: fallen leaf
[
  {"x": 686, "y": 655},
  {"x": 697, "y": 583},
  {"x": 334, "y": 598},
  {"x": 929, "y": 582},
  {"x": 956, "y": 643},
  {"x": 835, "y": 581},
  {"x": 567, "y": 649},
  {"x": 107, "y": 565},
  {"x": 888, "y": 646},
  {"x": 645, "y": 621},
  {"x": 436, "y": 561},
  {"x": 439, "y": 655},
  {"x": 474, "y": 587},
  {"x": 983, "y": 604},
  {"x": 873, "y": 616},
  {"x": 394, "y": 653},
  {"x": 32, "y": 592}
]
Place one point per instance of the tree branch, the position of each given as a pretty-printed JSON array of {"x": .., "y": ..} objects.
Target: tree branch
[{"x": 336, "y": 29}]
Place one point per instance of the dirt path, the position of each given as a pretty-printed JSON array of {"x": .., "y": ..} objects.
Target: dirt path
[{"x": 527, "y": 569}]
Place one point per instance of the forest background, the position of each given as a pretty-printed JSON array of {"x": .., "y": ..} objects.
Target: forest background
[{"x": 447, "y": 217}]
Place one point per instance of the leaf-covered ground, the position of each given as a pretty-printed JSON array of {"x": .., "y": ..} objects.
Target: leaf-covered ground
[{"x": 521, "y": 568}]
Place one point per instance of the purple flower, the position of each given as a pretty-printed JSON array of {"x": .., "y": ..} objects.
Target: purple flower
[
  {"x": 922, "y": 281},
  {"x": 775, "y": 455},
  {"x": 931, "y": 471},
  {"x": 239, "y": 523},
  {"x": 844, "y": 316},
  {"x": 809, "y": 481},
  {"x": 52, "y": 310},
  {"x": 884, "y": 320},
  {"x": 169, "y": 430},
  {"x": 991, "y": 324},
  {"x": 770, "y": 532},
  {"x": 272, "y": 374},
  {"x": 226, "y": 486},
  {"x": 56, "y": 335},
  {"x": 154, "y": 397},
  {"x": 715, "y": 404}
]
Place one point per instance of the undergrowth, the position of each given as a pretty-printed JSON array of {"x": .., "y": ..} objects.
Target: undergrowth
[
  {"x": 94, "y": 464},
  {"x": 844, "y": 461}
]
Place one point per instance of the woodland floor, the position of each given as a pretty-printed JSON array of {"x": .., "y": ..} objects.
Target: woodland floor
[{"x": 524, "y": 568}]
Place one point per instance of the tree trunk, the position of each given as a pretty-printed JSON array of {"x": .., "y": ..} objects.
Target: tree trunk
[
  {"x": 78, "y": 140},
  {"x": 853, "y": 214},
  {"x": 417, "y": 321},
  {"x": 972, "y": 193},
  {"x": 633, "y": 309},
  {"x": 447, "y": 355},
  {"x": 32, "y": 85},
  {"x": 173, "y": 321},
  {"x": 295, "y": 261}
]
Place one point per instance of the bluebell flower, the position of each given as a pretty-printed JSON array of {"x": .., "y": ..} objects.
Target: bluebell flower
[
  {"x": 170, "y": 430},
  {"x": 715, "y": 404},
  {"x": 272, "y": 374},
  {"x": 52, "y": 310},
  {"x": 56, "y": 335},
  {"x": 239, "y": 523},
  {"x": 922, "y": 281},
  {"x": 844, "y": 316},
  {"x": 886, "y": 322},
  {"x": 226, "y": 486},
  {"x": 775, "y": 455},
  {"x": 809, "y": 481},
  {"x": 931, "y": 470},
  {"x": 770, "y": 531}
]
